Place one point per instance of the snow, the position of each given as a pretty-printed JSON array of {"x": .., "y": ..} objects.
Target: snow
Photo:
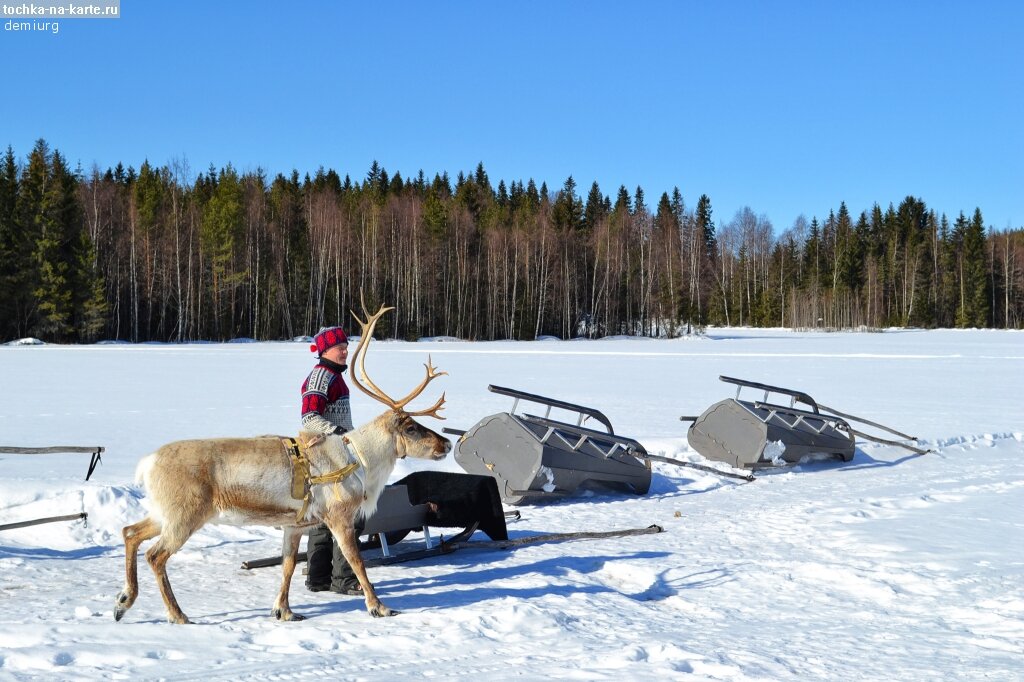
[{"x": 892, "y": 566}]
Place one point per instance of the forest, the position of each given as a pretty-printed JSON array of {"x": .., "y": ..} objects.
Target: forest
[{"x": 163, "y": 253}]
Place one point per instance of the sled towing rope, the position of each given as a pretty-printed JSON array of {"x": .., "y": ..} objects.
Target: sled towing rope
[{"x": 461, "y": 541}]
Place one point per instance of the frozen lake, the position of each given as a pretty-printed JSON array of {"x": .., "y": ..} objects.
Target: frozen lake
[{"x": 888, "y": 567}]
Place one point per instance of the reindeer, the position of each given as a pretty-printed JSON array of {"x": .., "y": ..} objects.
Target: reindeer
[{"x": 243, "y": 481}]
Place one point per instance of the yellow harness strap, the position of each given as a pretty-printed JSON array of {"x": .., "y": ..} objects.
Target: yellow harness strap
[
  {"x": 302, "y": 482},
  {"x": 300, "y": 468}
]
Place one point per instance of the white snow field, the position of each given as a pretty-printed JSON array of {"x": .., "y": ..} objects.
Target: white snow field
[{"x": 889, "y": 567}]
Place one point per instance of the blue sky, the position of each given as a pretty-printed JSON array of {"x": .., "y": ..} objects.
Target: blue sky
[{"x": 785, "y": 107}]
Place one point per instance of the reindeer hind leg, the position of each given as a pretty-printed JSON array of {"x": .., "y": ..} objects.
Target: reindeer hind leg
[
  {"x": 171, "y": 540},
  {"x": 134, "y": 535}
]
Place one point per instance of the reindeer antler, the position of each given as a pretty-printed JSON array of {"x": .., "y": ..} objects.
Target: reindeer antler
[
  {"x": 359, "y": 359},
  {"x": 432, "y": 374},
  {"x": 359, "y": 356}
]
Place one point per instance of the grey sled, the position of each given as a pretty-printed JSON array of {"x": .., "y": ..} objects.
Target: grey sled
[
  {"x": 754, "y": 434},
  {"x": 535, "y": 457}
]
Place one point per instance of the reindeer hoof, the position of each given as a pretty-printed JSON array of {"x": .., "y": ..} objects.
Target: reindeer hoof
[
  {"x": 382, "y": 611},
  {"x": 121, "y": 606},
  {"x": 179, "y": 620},
  {"x": 281, "y": 614}
]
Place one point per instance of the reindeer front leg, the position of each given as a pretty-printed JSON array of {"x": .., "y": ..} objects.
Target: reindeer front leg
[
  {"x": 289, "y": 552},
  {"x": 344, "y": 533}
]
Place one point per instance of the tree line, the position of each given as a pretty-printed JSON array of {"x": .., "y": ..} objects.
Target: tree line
[{"x": 160, "y": 253}]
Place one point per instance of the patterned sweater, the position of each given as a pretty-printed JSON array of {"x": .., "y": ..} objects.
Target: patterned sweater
[{"x": 325, "y": 403}]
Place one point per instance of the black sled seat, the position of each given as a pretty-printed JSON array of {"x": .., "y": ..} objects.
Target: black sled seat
[
  {"x": 536, "y": 457},
  {"x": 437, "y": 499}
]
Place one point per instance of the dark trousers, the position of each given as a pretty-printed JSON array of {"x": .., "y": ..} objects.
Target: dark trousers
[{"x": 325, "y": 562}]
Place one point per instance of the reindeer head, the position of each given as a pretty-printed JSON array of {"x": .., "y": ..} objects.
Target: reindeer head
[{"x": 412, "y": 439}]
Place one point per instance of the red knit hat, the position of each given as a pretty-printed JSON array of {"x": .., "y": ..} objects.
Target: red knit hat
[{"x": 326, "y": 338}]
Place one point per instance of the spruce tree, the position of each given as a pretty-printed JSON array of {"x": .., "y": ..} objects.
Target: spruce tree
[
  {"x": 623, "y": 202},
  {"x": 567, "y": 211},
  {"x": 948, "y": 296},
  {"x": 58, "y": 253},
  {"x": 222, "y": 227},
  {"x": 90, "y": 303},
  {"x": 8, "y": 244},
  {"x": 678, "y": 206},
  {"x": 533, "y": 195},
  {"x": 976, "y": 306},
  {"x": 639, "y": 206},
  {"x": 594, "y": 209},
  {"x": 32, "y": 188},
  {"x": 481, "y": 179},
  {"x": 849, "y": 255},
  {"x": 706, "y": 266},
  {"x": 435, "y": 217},
  {"x": 812, "y": 256},
  {"x": 397, "y": 184},
  {"x": 706, "y": 225}
]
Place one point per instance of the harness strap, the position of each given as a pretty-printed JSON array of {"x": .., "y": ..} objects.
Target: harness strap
[
  {"x": 300, "y": 468},
  {"x": 351, "y": 447},
  {"x": 334, "y": 476},
  {"x": 353, "y": 451},
  {"x": 302, "y": 482}
]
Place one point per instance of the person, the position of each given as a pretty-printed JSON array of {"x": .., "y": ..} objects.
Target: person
[{"x": 326, "y": 409}]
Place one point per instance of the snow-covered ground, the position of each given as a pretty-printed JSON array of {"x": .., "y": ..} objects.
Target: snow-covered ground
[{"x": 889, "y": 567}]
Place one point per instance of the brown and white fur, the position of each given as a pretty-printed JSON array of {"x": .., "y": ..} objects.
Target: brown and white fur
[{"x": 247, "y": 481}]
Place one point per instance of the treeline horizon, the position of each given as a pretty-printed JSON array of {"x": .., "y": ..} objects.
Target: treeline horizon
[{"x": 157, "y": 254}]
